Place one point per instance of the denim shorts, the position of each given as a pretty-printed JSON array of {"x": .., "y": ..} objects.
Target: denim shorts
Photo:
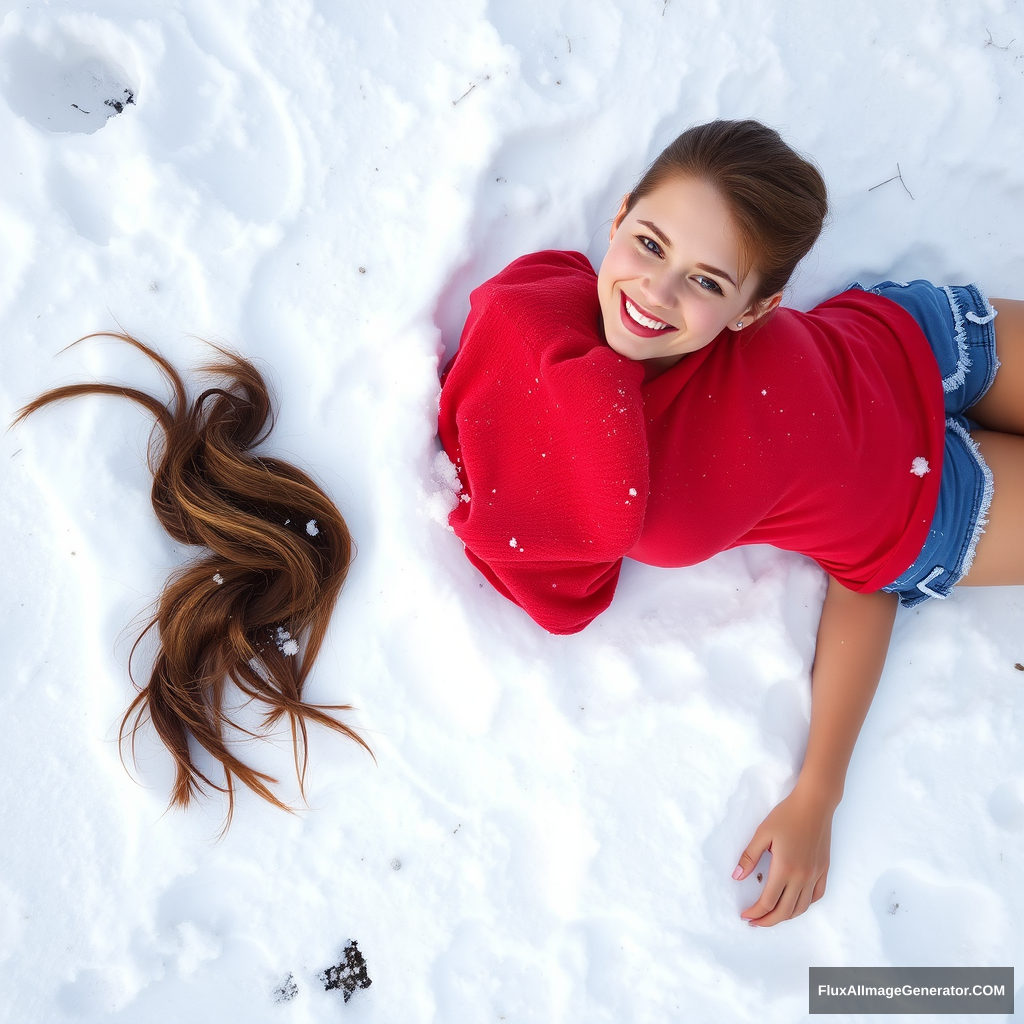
[{"x": 957, "y": 321}]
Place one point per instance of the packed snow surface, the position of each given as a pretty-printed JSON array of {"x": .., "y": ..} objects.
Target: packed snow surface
[{"x": 320, "y": 186}]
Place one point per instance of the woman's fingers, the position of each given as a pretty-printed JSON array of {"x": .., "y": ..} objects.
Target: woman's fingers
[
  {"x": 819, "y": 888},
  {"x": 780, "y": 901},
  {"x": 766, "y": 912},
  {"x": 771, "y": 896},
  {"x": 803, "y": 901},
  {"x": 752, "y": 854},
  {"x": 783, "y": 898},
  {"x": 793, "y": 901},
  {"x": 797, "y": 836}
]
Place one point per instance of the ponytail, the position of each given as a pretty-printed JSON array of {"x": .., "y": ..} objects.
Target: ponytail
[{"x": 252, "y": 608}]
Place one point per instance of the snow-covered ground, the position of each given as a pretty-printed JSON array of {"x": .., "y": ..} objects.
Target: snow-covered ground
[{"x": 549, "y": 828}]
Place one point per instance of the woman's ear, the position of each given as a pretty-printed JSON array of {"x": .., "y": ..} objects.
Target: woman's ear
[
  {"x": 762, "y": 307},
  {"x": 755, "y": 311},
  {"x": 619, "y": 217}
]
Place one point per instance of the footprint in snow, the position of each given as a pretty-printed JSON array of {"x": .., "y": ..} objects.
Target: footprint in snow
[{"x": 63, "y": 84}]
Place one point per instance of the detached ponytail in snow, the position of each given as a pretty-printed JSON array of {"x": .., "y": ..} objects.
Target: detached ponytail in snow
[{"x": 253, "y": 608}]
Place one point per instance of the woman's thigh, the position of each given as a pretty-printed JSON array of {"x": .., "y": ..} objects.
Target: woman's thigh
[
  {"x": 999, "y": 556},
  {"x": 1002, "y": 407}
]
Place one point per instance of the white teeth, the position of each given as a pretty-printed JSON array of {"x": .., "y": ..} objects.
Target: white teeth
[{"x": 644, "y": 321}]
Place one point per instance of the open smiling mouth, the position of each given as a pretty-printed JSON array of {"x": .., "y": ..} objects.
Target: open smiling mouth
[{"x": 638, "y": 322}]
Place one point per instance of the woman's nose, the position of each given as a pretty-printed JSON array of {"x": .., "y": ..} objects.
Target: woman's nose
[{"x": 661, "y": 290}]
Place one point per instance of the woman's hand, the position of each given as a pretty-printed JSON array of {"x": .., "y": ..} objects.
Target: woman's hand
[
  {"x": 798, "y": 832},
  {"x": 853, "y": 636}
]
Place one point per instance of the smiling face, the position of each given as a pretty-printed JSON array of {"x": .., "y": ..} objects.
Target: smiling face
[{"x": 670, "y": 282}]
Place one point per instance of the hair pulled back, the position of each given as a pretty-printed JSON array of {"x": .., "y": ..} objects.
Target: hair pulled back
[
  {"x": 777, "y": 198},
  {"x": 253, "y": 608}
]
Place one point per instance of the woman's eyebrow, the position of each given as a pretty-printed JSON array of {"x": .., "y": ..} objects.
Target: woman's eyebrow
[{"x": 661, "y": 238}]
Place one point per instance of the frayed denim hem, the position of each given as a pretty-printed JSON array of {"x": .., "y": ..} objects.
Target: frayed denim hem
[
  {"x": 986, "y": 497},
  {"x": 963, "y": 364}
]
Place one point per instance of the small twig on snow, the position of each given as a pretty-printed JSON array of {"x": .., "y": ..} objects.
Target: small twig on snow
[
  {"x": 992, "y": 42},
  {"x": 472, "y": 86},
  {"x": 897, "y": 175}
]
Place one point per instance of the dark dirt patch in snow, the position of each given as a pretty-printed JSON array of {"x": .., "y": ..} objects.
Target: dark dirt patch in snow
[
  {"x": 349, "y": 974},
  {"x": 287, "y": 990}
]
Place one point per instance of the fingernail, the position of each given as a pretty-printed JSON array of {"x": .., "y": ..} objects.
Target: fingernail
[{"x": 738, "y": 873}]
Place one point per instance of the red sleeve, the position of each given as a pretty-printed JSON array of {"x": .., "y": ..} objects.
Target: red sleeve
[{"x": 545, "y": 425}]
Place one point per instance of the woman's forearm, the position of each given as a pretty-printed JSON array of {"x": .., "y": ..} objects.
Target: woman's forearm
[{"x": 853, "y": 638}]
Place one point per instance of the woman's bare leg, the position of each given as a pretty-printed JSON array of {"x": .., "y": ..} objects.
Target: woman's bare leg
[
  {"x": 1002, "y": 407},
  {"x": 999, "y": 558}
]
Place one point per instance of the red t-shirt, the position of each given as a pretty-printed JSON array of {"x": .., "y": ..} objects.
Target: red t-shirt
[{"x": 819, "y": 432}]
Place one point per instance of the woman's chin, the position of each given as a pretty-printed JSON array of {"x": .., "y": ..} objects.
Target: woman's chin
[
  {"x": 640, "y": 350},
  {"x": 637, "y": 349}
]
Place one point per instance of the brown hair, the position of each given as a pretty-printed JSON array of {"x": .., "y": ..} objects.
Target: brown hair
[
  {"x": 254, "y": 607},
  {"x": 777, "y": 198}
]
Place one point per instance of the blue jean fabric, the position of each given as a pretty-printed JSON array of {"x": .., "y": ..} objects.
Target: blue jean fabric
[{"x": 958, "y": 323}]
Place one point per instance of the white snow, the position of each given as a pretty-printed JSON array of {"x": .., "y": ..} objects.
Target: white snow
[
  {"x": 320, "y": 186},
  {"x": 920, "y": 466},
  {"x": 285, "y": 644},
  {"x": 311, "y": 528},
  {"x": 445, "y": 494}
]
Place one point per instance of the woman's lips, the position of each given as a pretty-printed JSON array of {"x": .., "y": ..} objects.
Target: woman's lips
[{"x": 636, "y": 328}]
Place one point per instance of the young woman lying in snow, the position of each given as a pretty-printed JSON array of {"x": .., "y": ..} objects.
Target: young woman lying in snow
[{"x": 667, "y": 408}]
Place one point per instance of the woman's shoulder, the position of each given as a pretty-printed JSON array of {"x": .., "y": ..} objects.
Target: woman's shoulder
[
  {"x": 535, "y": 286},
  {"x": 547, "y": 265},
  {"x": 853, "y": 317},
  {"x": 541, "y": 300},
  {"x": 534, "y": 332}
]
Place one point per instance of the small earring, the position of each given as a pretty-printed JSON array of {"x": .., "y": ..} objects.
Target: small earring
[{"x": 739, "y": 323}]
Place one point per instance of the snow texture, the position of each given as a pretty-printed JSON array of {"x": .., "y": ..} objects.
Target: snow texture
[
  {"x": 321, "y": 185},
  {"x": 285, "y": 644},
  {"x": 445, "y": 493}
]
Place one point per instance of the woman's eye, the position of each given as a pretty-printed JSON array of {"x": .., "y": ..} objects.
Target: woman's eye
[
  {"x": 649, "y": 244},
  {"x": 707, "y": 284}
]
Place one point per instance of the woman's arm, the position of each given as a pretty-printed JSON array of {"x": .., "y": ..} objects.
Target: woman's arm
[
  {"x": 853, "y": 638},
  {"x": 545, "y": 426}
]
